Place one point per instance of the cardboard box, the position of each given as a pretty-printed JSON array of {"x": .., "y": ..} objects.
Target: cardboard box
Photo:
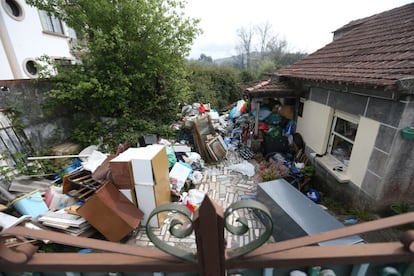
[
  {"x": 111, "y": 213},
  {"x": 287, "y": 111},
  {"x": 150, "y": 169}
]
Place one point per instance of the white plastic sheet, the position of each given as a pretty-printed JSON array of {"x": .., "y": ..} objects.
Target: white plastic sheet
[
  {"x": 94, "y": 161},
  {"x": 244, "y": 168}
]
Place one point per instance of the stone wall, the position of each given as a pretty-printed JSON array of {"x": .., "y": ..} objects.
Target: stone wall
[{"x": 25, "y": 98}]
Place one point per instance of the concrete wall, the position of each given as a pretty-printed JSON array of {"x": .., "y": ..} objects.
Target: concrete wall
[
  {"x": 26, "y": 98},
  {"x": 388, "y": 172}
]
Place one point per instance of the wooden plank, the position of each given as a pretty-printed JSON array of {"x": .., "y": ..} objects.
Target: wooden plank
[{"x": 209, "y": 229}]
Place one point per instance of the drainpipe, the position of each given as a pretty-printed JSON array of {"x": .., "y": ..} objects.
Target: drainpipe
[{"x": 8, "y": 49}]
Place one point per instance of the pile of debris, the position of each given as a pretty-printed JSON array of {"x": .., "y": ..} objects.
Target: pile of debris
[{"x": 100, "y": 190}]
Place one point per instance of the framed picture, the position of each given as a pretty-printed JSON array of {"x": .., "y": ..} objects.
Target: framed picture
[{"x": 217, "y": 148}]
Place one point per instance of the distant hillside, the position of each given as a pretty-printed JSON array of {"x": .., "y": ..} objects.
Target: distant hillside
[
  {"x": 283, "y": 59},
  {"x": 225, "y": 60}
]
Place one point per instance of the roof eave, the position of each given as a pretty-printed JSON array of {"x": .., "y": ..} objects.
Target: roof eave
[{"x": 385, "y": 85}]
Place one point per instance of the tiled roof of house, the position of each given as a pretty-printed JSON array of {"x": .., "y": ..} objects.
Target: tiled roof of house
[
  {"x": 377, "y": 51},
  {"x": 267, "y": 88}
]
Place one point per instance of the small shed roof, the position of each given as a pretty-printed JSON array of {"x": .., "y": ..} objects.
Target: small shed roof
[
  {"x": 375, "y": 51},
  {"x": 268, "y": 88}
]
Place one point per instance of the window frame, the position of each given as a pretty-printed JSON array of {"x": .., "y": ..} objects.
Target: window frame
[
  {"x": 51, "y": 24},
  {"x": 27, "y": 71},
  {"x": 8, "y": 8},
  {"x": 352, "y": 119}
]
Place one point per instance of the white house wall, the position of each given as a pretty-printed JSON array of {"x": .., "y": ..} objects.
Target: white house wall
[
  {"x": 5, "y": 71},
  {"x": 29, "y": 41},
  {"x": 9, "y": 65}
]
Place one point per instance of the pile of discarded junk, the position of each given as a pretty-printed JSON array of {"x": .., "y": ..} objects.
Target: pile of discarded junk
[{"x": 99, "y": 190}]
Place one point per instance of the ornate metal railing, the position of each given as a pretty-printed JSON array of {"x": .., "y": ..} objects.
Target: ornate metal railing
[{"x": 212, "y": 258}]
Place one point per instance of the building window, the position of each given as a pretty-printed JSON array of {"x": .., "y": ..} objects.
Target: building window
[
  {"x": 30, "y": 67},
  {"x": 13, "y": 9},
  {"x": 343, "y": 132},
  {"x": 62, "y": 61},
  {"x": 51, "y": 23}
]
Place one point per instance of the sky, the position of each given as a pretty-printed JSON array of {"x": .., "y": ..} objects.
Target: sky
[{"x": 306, "y": 25}]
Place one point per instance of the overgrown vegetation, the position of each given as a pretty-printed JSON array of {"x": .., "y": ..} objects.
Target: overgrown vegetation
[
  {"x": 210, "y": 83},
  {"x": 132, "y": 77}
]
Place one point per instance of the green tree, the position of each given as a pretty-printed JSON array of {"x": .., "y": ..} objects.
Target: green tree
[
  {"x": 204, "y": 58},
  {"x": 210, "y": 83},
  {"x": 132, "y": 75}
]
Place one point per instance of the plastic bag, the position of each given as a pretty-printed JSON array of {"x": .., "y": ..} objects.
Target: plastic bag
[
  {"x": 196, "y": 177},
  {"x": 193, "y": 199},
  {"x": 192, "y": 157},
  {"x": 172, "y": 159},
  {"x": 214, "y": 115},
  {"x": 244, "y": 168},
  {"x": 94, "y": 161}
]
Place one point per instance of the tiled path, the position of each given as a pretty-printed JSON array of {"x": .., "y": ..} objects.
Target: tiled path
[{"x": 223, "y": 186}]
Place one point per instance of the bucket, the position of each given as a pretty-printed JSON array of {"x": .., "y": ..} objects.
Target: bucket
[
  {"x": 31, "y": 204},
  {"x": 408, "y": 133}
]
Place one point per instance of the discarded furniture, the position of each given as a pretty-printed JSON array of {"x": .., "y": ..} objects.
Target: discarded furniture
[
  {"x": 80, "y": 185},
  {"x": 111, "y": 213},
  {"x": 207, "y": 142},
  {"x": 146, "y": 171}
]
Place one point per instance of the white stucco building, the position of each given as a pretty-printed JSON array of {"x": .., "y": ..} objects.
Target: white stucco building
[{"x": 26, "y": 34}]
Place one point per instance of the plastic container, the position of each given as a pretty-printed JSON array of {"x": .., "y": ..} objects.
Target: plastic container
[
  {"x": 31, "y": 204},
  {"x": 408, "y": 133}
]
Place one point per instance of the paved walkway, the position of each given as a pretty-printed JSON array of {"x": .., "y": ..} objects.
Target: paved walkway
[{"x": 223, "y": 186}]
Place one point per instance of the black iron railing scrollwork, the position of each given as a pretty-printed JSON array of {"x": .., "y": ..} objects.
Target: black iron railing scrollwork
[
  {"x": 265, "y": 217},
  {"x": 180, "y": 229},
  {"x": 176, "y": 229}
]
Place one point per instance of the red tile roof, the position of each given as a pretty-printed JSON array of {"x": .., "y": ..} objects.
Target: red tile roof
[
  {"x": 376, "y": 51},
  {"x": 268, "y": 88}
]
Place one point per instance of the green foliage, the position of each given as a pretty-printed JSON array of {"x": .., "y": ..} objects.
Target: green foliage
[
  {"x": 133, "y": 66},
  {"x": 308, "y": 170},
  {"x": 247, "y": 76},
  {"x": 14, "y": 164},
  {"x": 217, "y": 85},
  {"x": 400, "y": 207}
]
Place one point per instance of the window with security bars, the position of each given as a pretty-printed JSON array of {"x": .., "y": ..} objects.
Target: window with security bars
[
  {"x": 343, "y": 132},
  {"x": 51, "y": 23}
]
